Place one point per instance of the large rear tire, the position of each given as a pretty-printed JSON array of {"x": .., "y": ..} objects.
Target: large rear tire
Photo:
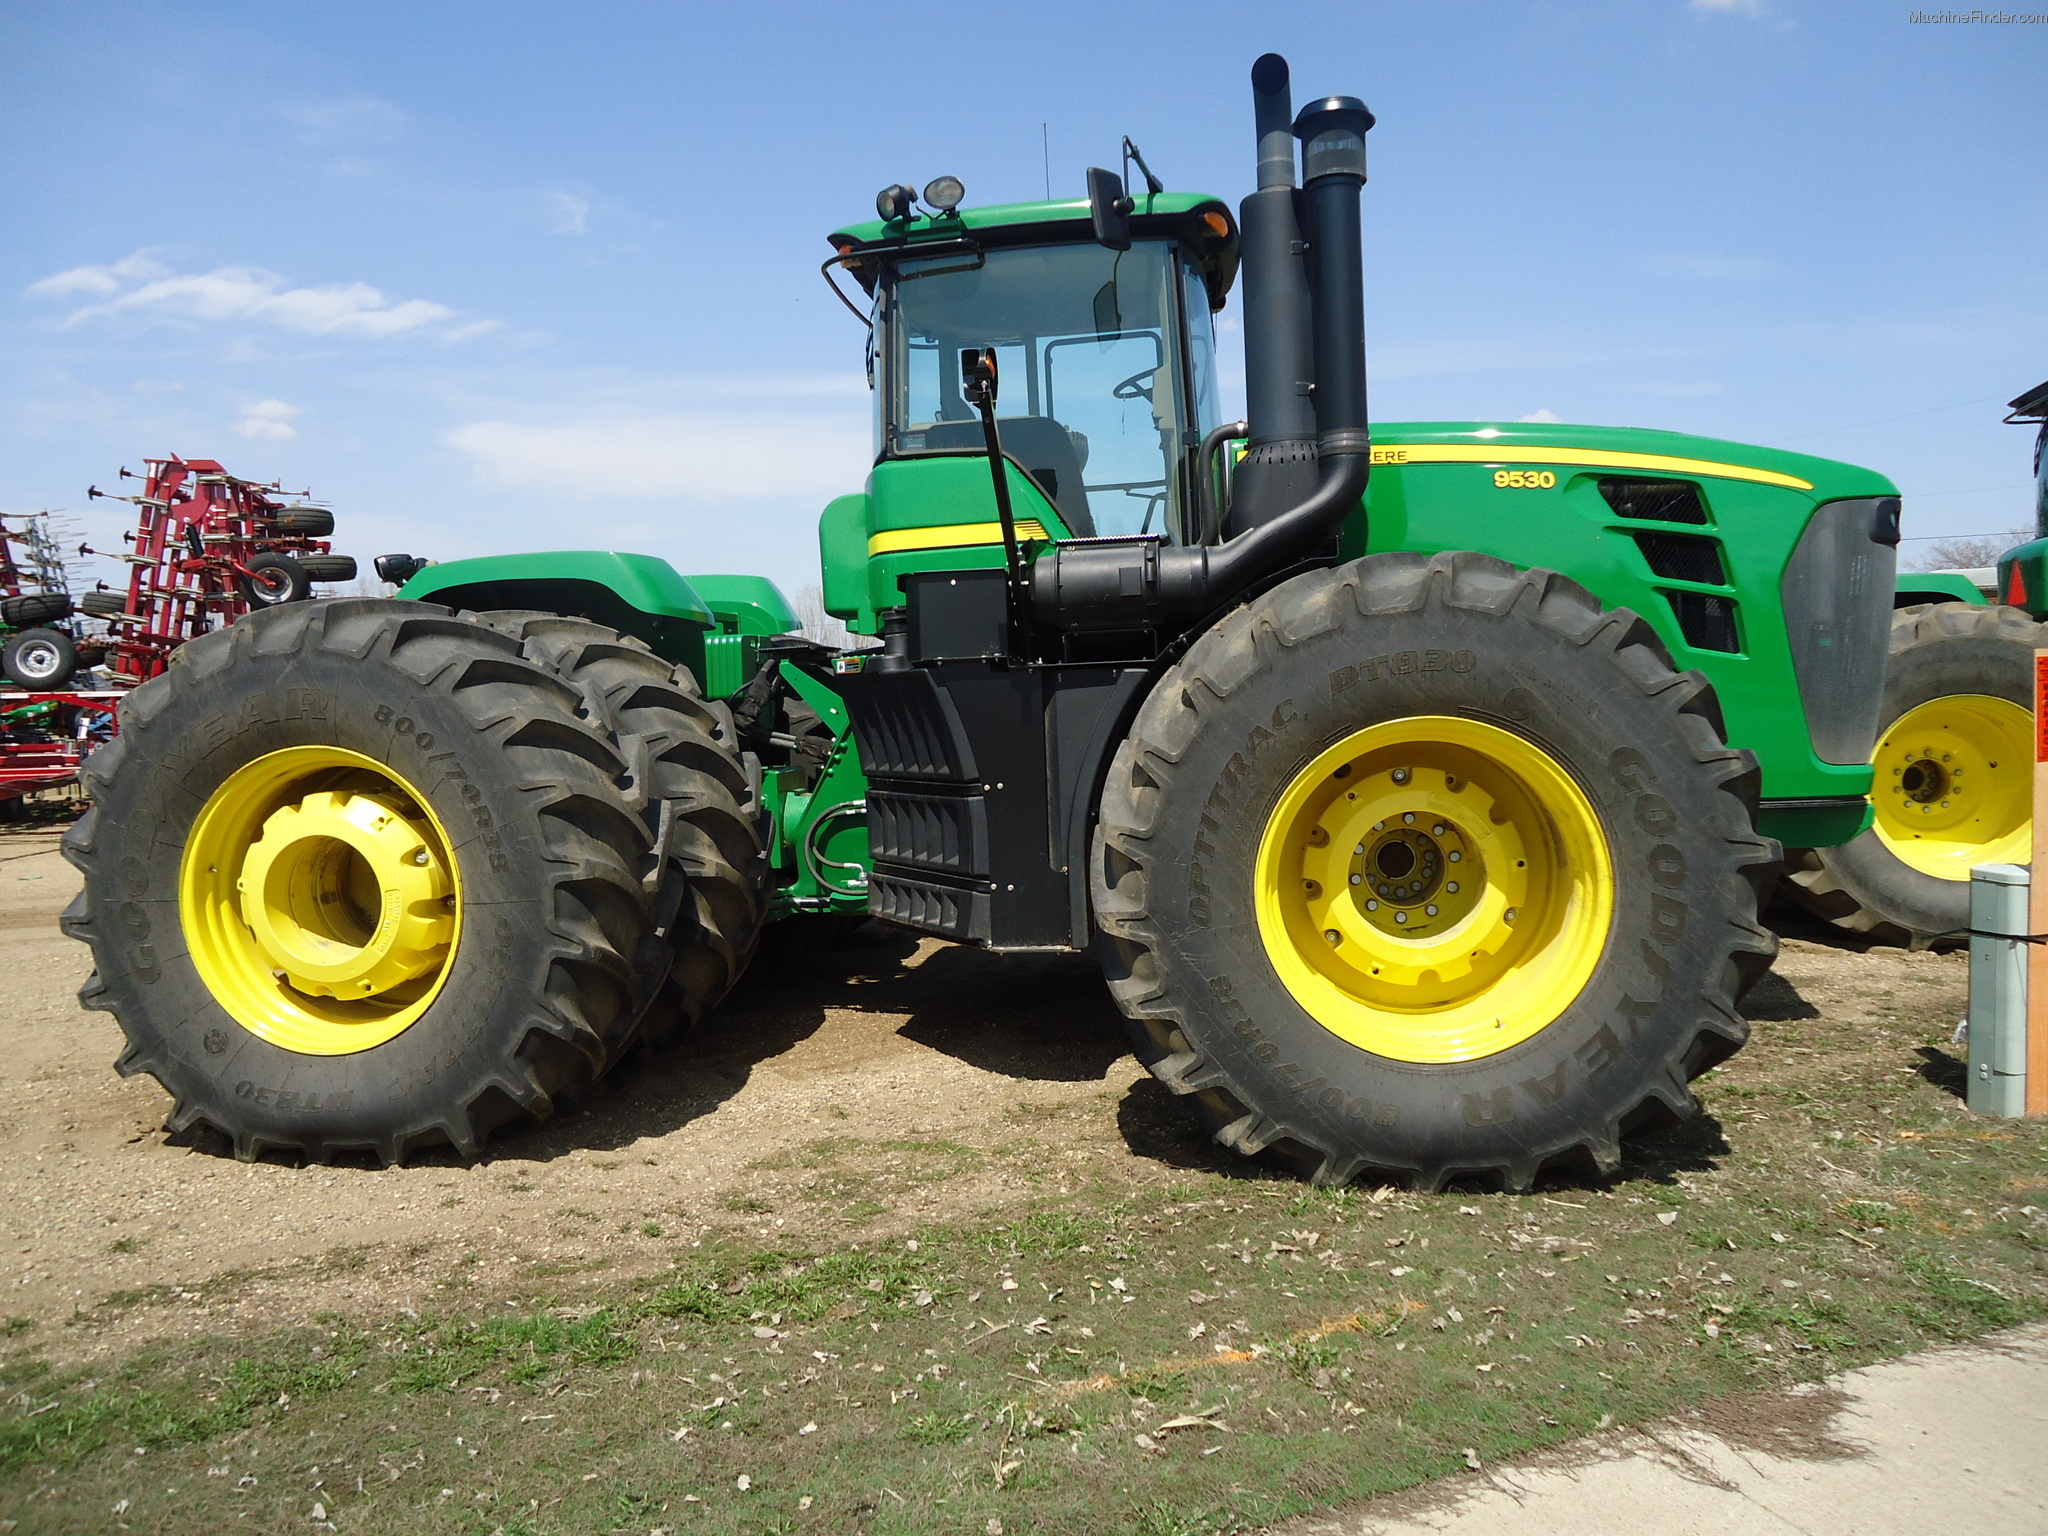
[
  {"x": 702, "y": 807},
  {"x": 361, "y": 878},
  {"x": 1427, "y": 866},
  {"x": 1954, "y": 777}
]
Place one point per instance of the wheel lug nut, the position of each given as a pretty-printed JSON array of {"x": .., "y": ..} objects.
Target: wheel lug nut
[
  {"x": 1430, "y": 909},
  {"x": 1401, "y": 777},
  {"x": 1452, "y": 887},
  {"x": 1438, "y": 829},
  {"x": 1358, "y": 879},
  {"x": 1333, "y": 935},
  {"x": 1372, "y": 906},
  {"x": 1408, "y": 818},
  {"x": 1509, "y": 914},
  {"x": 1455, "y": 855},
  {"x": 1400, "y": 917}
]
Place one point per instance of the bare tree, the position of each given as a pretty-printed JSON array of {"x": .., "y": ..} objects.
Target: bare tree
[
  {"x": 817, "y": 623},
  {"x": 1966, "y": 554}
]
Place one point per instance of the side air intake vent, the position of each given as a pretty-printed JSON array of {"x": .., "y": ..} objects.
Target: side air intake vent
[
  {"x": 1706, "y": 621},
  {"x": 1654, "y": 501},
  {"x": 1681, "y": 557}
]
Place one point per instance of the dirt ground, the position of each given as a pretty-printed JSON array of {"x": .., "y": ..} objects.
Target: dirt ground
[{"x": 908, "y": 1061}]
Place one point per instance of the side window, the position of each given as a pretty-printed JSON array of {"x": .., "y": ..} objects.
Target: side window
[
  {"x": 1103, "y": 390},
  {"x": 1208, "y": 408}
]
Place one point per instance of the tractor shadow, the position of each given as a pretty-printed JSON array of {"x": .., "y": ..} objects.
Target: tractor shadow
[
  {"x": 1036, "y": 1018},
  {"x": 1033, "y": 1018},
  {"x": 1774, "y": 1000}
]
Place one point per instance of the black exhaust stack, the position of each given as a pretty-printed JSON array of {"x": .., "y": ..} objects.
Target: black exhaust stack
[
  {"x": 1278, "y": 470},
  {"x": 1305, "y": 390}
]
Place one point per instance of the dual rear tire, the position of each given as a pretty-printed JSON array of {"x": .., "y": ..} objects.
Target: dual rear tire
[{"x": 365, "y": 876}]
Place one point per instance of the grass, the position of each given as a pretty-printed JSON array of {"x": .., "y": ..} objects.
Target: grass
[{"x": 1187, "y": 1353}]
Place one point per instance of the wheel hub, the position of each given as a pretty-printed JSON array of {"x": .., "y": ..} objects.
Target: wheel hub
[
  {"x": 1417, "y": 875},
  {"x": 1954, "y": 785},
  {"x": 345, "y": 895},
  {"x": 320, "y": 900},
  {"x": 1433, "y": 889}
]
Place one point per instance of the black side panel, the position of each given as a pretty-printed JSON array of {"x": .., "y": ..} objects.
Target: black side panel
[
  {"x": 983, "y": 774},
  {"x": 927, "y": 813},
  {"x": 955, "y": 759},
  {"x": 1088, "y": 715}
]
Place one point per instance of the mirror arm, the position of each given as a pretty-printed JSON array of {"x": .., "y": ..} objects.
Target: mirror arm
[{"x": 978, "y": 380}]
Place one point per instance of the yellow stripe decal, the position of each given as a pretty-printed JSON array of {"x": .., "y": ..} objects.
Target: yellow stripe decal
[
  {"x": 897, "y": 540},
  {"x": 1481, "y": 453}
]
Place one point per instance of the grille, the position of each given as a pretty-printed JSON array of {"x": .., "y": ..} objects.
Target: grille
[
  {"x": 1681, "y": 557},
  {"x": 1654, "y": 501},
  {"x": 1837, "y": 594},
  {"x": 1707, "y": 622}
]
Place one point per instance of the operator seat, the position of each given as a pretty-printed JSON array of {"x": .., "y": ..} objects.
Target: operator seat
[{"x": 1044, "y": 449}]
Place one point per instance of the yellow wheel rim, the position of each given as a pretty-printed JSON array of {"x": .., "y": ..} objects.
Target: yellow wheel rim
[
  {"x": 1434, "y": 889},
  {"x": 321, "y": 900},
  {"x": 1954, "y": 785}
]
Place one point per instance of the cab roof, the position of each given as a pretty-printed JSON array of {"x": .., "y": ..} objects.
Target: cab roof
[{"x": 1203, "y": 225}]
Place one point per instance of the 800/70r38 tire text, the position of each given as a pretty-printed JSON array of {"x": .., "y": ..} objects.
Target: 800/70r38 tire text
[
  {"x": 1425, "y": 865},
  {"x": 359, "y": 879}
]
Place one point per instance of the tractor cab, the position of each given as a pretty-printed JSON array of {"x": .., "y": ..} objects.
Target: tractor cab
[{"x": 1107, "y": 361}]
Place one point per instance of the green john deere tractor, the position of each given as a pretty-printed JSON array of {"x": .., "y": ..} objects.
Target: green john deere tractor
[
  {"x": 1415, "y": 788},
  {"x": 1954, "y": 762}
]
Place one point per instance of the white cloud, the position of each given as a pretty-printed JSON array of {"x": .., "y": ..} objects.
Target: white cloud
[
  {"x": 1730, "y": 7},
  {"x": 267, "y": 421},
  {"x": 101, "y": 279},
  {"x": 696, "y": 456},
  {"x": 241, "y": 294},
  {"x": 342, "y": 122},
  {"x": 569, "y": 213},
  {"x": 1541, "y": 414},
  {"x": 1720, "y": 269}
]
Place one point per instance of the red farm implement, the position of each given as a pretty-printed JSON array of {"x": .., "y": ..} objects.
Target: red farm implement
[
  {"x": 206, "y": 548},
  {"x": 40, "y": 641}
]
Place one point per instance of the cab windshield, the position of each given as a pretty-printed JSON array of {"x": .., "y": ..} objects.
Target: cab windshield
[{"x": 1096, "y": 402}]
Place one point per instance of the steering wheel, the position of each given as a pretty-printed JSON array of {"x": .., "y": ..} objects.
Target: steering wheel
[{"x": 1134, "y": 388}]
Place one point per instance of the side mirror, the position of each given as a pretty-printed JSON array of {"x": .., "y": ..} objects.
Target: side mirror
[
  {"x": 978, "y": 375},
  {"x": 399, "y": 569},
  {"x": 1108, "y": 209}
]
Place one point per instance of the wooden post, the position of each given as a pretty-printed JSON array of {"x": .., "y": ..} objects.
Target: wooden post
[{"x": 2037, "y": 905}]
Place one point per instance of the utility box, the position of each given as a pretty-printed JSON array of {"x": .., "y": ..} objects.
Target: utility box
[{"x": 1998, "y": 990}]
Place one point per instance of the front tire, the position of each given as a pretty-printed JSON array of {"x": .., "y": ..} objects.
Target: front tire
[
  {"x": 1954, "y": 779},
  {"x": 1395, "y": 712},
  {"x": 359, "y": 878}
]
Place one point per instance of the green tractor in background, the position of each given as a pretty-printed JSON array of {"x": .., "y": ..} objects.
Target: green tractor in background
[
  {"x": 1416, "y": 787},
  {"x": 1954, "y": 764}
]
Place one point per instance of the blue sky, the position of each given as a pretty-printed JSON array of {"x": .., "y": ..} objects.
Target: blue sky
[{"x": 525, "y": 276}]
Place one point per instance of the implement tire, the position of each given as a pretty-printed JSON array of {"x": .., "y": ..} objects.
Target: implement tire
[
  {"x": 360, "y": 879},
  {"x": 1549, "y": 757},
  {"x": 707, "y": 874},
  {"x": 1958, "y": 694}
]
